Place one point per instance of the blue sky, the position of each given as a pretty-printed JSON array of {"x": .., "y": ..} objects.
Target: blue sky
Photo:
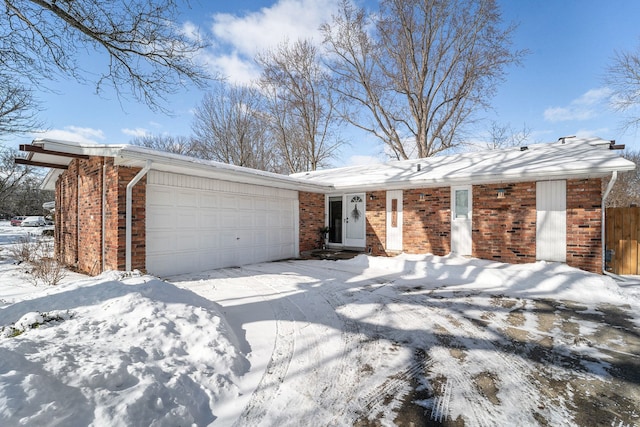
[{"x": 557, "y": 91}]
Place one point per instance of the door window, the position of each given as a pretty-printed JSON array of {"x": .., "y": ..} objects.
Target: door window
[
  {"x": 462, "y": 204},
  {"x": 335, "y": 219}
]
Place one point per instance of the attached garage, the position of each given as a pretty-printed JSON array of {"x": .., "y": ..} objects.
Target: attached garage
[
  {"x": 121, "y": 207},
  {"x": 197, "y": 224}
]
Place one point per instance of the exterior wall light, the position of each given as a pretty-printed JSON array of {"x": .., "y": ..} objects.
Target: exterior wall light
[
  {"x": 501, "y": 193},
  {"x": 421, "y": 196}
]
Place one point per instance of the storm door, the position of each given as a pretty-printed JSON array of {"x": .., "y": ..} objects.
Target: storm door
[
  {"x": 394, "y": 220},
  {"x": 355, "y": 220},
  {"x": 461, "y": 213}
]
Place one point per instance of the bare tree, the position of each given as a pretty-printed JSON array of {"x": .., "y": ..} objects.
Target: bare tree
[
  {"x": 415, "y": 72},
  {"x": 167, "y": 143},
  {"x": 17, "y": 108},
  {"x": 623, "y": 76},
  {"x": 148, "y": 55},
  {"x": 301, "y": 106},
  {"x": 229, "y": 127},
  {"x": 626, "y": 190},
  {"x": 12, "y": 176},
  {"x": 505, "y": 136}
]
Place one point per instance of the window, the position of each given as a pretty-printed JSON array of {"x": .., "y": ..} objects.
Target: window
[{"x": 462, "y": 204}]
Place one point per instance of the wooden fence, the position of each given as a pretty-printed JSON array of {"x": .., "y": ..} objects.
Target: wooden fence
[{"x": 623, "y": 240}]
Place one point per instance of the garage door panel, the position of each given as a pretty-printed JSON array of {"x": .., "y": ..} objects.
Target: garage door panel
[
  {"x": 163, "y": 219},
  {"x": 208, "y": 241},
  {"x": 227, "y": 239},
  {"x": 214, "y": 226},
  {"x": 245, "y": 203},
  {"x": 160, "y": 197},
  {"x": 208, "y": 200},
  {"x": 208, "y": 219},
  {"x": 228, "y": 220},
  {"x": 228, "y": 202},
  {"x": 187, "y": 241},
  {"x": 187, "y": 199},
  {"x": 260, "y": 237}
]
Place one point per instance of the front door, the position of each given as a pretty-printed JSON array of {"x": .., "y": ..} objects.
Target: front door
[
  {"x": 355, "y": 220},
  {"x": 461, "y": 220},
  {"x": 394, "y": 220}
]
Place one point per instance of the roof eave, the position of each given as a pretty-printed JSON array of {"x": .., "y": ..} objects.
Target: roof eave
[
  {"x": 130, "y": 156},
  {"x": 480, "y": 180}
]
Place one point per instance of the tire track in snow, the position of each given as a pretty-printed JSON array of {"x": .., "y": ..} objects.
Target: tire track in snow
[
  {"x": 281, "y": 355},
  {"x": 336, "y": 399},
  {"x": 309, "y": 331},
  {"x": 457, "y": 331},
  {"x": 383, "y": 397}
]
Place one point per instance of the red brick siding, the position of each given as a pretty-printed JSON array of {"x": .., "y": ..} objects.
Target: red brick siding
[
  {"x": 504, "y": 229},
  {"x": 376, "y": 214},
  {"x": 138, "y": 219},
  {"x": 311, "y": 210},
  {"x": 114, "y": 239},
  {"x": 427, "y": 222},
  {"x": 79, "y": 237},
  {"x": 66, "y": 223},
  {"x": 584, "y": 224},
  {"x": 90, "y": 217}
]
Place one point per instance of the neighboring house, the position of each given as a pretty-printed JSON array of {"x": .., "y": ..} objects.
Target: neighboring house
[{"x": 127, "y": 207}]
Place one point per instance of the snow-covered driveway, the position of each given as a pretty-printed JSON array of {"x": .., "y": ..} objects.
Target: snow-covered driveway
[{"x": 429, "y": 340}]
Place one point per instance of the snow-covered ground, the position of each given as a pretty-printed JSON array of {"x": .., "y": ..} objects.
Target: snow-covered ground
[{"x": 369, "y": 341}]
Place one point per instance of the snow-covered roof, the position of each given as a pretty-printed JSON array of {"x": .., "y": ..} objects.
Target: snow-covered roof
[
  {"x": 52, "y": 153},
  {"x": 566, "y": 158}
]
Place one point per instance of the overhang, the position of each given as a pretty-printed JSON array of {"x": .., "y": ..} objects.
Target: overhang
[{"x": 57, "y": 156}]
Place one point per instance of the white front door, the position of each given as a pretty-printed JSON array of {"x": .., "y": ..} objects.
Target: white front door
[
  {"x": 461, "y": 213},
  {"x": 394, "y": 220},
  {"x": 551, "y": 221},
  {"x": 355, "y": 220}
]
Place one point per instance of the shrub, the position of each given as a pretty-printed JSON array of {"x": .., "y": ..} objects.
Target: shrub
[{"x": 38, "y": 253}]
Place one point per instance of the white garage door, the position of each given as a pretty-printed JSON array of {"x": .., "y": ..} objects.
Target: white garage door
[{"x": 197, "y": 224}]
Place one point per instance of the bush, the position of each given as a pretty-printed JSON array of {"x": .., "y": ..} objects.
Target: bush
[
  {"x": 25, "y": 249},
  {"x": 38, "y": 253}
]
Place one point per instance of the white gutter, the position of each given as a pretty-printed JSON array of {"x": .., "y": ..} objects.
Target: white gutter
[
  {"x": 612, "y": 181},
  {"x": 129, "y": 208}
]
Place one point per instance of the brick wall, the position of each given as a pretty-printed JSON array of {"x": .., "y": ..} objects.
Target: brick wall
[
  {"x": 79, "y": 210},
  {"x": 505, "y": 229},
  {"x": 584, "y": 224},
  {"x": 427, "y": 221},
  {"x": 311, "y": 210},
  {"x": 66, "y": 223},
  {"x": 89, "y": 195},
  {"x": 377, "y": 222}
]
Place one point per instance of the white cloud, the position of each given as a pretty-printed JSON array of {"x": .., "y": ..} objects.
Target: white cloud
[
  {"x": 240, "y": 38},
  {"x": 585, "y": 107},
  {"x": 74, "y": 133},
  {"x": 137, "y": 132}
]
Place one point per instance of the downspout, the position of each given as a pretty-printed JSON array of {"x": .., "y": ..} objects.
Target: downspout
[
  {"x": 612, "y": 181},
  {"x": 129, "y": 208}
]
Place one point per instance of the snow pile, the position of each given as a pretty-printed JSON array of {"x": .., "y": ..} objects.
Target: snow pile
[
  {"x": 116, "y": 352},
  {"x": 449, "y": 274}
]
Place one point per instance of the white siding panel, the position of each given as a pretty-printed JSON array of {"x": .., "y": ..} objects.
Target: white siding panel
[
  {"x": 196, "y": 224},
  {"x": 551, "y": 221}
]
